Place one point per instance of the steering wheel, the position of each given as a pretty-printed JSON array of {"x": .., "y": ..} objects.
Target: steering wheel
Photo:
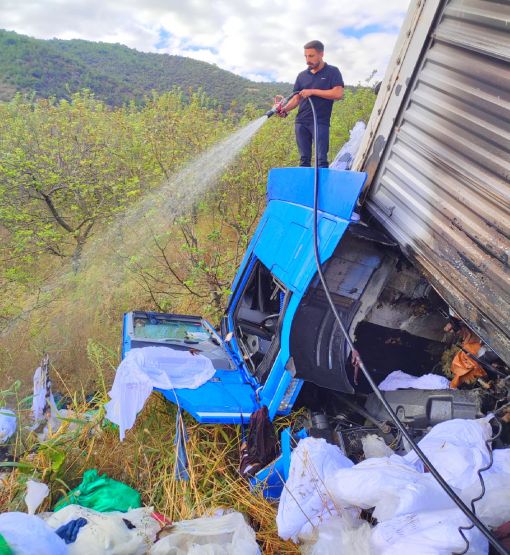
[{"x": 264, "y": 323}]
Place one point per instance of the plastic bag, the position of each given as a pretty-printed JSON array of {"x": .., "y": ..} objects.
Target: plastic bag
[
  {"x": 374, "y": 446},
  {"x": 463, "y": 367},
  {"x": 30, "y": 535},
  {"x": 7, "y": 424},
  {"x": 390, "y": 485},
  {"x": 219, "y": 535},
  {"x": 340, "y": 535},
  {"x": 102, "y": 494},
  {"x": 305, "y": 501},
  {"x": 112, "y": 533},
  {"x": 4, "y": 547},
  {"x": 402, "y": 380},
  {"x": 148, "y": 367},
  {"x": 457, "y": 449},
  {"x": 344, "y": 159},
  {"x": 427, "y": 533},
  {"x": 36, "y": 493}
]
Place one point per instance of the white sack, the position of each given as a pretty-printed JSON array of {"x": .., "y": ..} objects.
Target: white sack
[
  {"x": 7, "y": 424},
  {"x": 218, "y": 535},
  {"x": 390, "y": 485},
  {"x": 30, "y": 535},
  {"x": 149, "y": 367},
  {"x": 345, "y": 157},
  {"x": 375, "y": 446},
  {"x": 457, "y": 450},
  {"x": 305, "y": 501},
  {"x": 340, "y": 535},
  {"x": 107, "y": 533},
  {"x": 401, "y": 380},
  {"x": 427, "y": 533}
]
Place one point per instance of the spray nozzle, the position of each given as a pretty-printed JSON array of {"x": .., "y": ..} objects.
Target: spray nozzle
[{"x": 280, "y": 102}]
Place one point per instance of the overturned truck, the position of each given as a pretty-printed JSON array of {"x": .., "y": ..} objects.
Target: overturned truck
[
  {"x": 431, "y": 250},
  {"x": 422, "y": 278}
]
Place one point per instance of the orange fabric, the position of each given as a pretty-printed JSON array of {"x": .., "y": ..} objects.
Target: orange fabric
[{"x": 464, "y": 368}]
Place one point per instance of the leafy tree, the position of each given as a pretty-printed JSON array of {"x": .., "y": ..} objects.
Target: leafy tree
[{"x": 68, "y": 167}]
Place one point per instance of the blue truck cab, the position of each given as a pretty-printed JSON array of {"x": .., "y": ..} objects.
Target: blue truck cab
[
  {"x": 278, "y": 331},
  {"x": 252, "y": 353}
]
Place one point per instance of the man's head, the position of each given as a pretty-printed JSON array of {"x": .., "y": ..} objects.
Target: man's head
[{"x": 314, "y": 52}]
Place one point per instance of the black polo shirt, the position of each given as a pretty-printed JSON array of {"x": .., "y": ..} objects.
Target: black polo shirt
[{"x": 327, "y": 78}]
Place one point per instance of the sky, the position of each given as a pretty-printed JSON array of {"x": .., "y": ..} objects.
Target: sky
[{"x": 258, "y": 39}]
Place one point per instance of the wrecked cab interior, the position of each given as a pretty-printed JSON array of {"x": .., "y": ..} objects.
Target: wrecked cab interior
[{"x": 399, "y": 324}]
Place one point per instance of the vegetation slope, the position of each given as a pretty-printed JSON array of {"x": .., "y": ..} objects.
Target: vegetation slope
[{"x": 117, "y": 74}]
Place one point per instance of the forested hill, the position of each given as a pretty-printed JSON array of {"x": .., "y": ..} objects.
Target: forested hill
[{"x": 116, "y": 73}]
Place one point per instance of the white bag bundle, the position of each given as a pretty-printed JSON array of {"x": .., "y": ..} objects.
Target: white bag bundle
[
  {"x": 374, "y": 446},
  {"x": 340, "y": 535},
  {"x": 217, "y": 535},
  {"x": 305, "y": 501},
  {"x": 427, "y": 533},
  {"x": 457, "y": 450},
  {"x": 108, "y": 533},
  {"x": 390, "y": 485}
]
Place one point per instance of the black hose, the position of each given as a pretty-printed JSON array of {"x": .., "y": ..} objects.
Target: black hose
[
  {"x": 455, "y": 498},
  {"x": 488, "y": 444}
]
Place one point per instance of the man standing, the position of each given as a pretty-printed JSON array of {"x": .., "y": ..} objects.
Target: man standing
[{"x": 325, "y": 84}]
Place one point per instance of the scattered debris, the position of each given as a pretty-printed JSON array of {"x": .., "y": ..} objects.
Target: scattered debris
[
  {"x": 36, "y": 494},
  {"x": 464, "y": 368},
  {"x": 260, "y": 447},
  {"x": 102, "y": 494}
]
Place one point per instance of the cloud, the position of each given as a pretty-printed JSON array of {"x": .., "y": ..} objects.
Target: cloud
[{"x": 259, "y": 39}]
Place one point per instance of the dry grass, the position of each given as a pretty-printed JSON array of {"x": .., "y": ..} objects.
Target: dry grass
[{"x": 145, "y": 460}]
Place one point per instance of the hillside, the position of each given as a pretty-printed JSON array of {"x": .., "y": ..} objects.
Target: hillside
[{"x": 116, "y": 73}]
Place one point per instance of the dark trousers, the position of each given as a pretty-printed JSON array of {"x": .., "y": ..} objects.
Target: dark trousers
[{"x": 304, "y": 139}]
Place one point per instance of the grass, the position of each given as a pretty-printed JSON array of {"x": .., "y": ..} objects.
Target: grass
[{"x": 145, "y": 460}]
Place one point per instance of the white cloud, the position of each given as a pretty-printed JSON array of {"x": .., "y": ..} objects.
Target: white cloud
[{"x": 259, "y": 39}]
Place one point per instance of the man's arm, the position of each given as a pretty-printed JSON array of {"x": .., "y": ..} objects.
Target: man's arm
[
  {"x": 292, "y": 103},
  {"x": 336, "y": 93}
]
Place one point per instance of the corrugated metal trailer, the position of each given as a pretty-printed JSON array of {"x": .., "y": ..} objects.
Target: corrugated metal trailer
[{"x": 438, "y": 157}]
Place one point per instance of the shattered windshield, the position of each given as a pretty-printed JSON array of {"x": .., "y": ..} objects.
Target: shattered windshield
[{"x": 180, "y": 333}]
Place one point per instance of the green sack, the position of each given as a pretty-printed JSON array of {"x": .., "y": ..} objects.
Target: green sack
[
  {"x": 102, "y": 494},
  {"x": 4, "y": 547}
]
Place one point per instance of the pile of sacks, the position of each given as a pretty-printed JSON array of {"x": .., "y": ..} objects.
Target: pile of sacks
[
  {"x": 76, "y": 530},
  {"x": 325, "y": 494},
  {"x": 103, "y": 517}
]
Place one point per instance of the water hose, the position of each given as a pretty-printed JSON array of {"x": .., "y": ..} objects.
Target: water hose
[{"x": 442, "y": 482}]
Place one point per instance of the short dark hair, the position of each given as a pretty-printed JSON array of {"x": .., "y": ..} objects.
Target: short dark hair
[{"x": 315, "y": 44}]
